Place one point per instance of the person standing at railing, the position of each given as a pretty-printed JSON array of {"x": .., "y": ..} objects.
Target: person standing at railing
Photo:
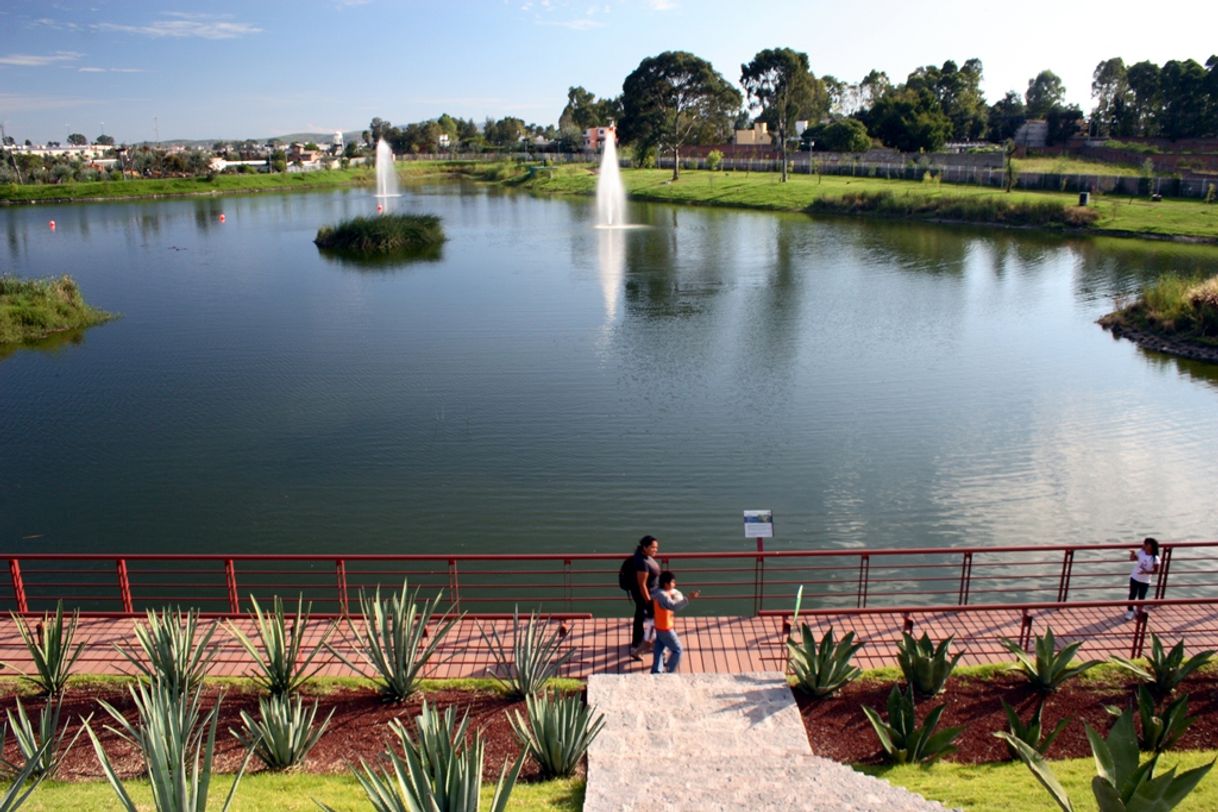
[
  {"x": 646, "y": 572},
  {"x": 1147, "y": 558}
]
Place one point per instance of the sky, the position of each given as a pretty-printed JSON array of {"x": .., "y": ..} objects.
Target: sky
[{"x": 231, "y": 70}]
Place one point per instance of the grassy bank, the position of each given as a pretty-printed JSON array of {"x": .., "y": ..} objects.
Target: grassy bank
[
  {"x": 34, "y": 309},
  {"x": 1001, "y": 787},
  {"x": 1177, "y": 309},
  {"x": 930, "y": 201},
  {"x": 287, "y": 792}
]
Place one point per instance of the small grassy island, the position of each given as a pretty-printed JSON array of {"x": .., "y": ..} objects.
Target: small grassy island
[
  {"x": 386, "y": 235},
  {"x": 34, "y": 309},
  {"x": 1177, "y": 314}
]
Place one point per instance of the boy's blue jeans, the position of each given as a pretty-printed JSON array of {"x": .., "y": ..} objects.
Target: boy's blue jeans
[{"x": 670, "y": 641}]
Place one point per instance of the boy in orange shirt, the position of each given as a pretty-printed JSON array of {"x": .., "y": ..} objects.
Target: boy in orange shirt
[{"x": 667, "y": 600}]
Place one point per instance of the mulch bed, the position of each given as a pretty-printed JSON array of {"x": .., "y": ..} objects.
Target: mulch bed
[
  {"x": 838, "y": 729},
  {"x": 836, "y": 726},
  {"x": 359, "y": 728}
]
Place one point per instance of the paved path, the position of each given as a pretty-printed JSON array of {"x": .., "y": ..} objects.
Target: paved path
[
  {"x": 722, "y": 645},
  {"x": 712, "y": 742}
]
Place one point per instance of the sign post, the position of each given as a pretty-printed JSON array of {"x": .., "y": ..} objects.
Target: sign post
[{"x": 759, "y": 524}]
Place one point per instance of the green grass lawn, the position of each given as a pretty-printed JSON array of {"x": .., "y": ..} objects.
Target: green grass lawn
[
  {"x": 764, "y": 190},
  {"x": 1075, "y": 166},
  {"x": 1002, "y": 787},
  {"x": 290, "y": 792}
]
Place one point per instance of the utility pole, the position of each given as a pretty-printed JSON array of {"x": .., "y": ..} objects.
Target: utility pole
[{"x": 12, "y": 157}]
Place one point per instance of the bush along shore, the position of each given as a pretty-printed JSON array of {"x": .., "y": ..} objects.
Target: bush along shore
[
  {"x": 35, "y": 309},
  {"x": 409, "y": 235},
  {"x": 1177, "y": 315}
]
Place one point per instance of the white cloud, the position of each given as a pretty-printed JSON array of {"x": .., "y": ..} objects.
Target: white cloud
[
  {"x": 661, "y": 5},
  {"x": 14, "y": 103},
  {"x": 39, "y": 60},
  {"x": 183, "y": 25},
  {"x": 110, "y": 70}
]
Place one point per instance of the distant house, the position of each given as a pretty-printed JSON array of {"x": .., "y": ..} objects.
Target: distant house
[
  {"x": 759, "y": 136},
  {"x": 595, "y": 137}
]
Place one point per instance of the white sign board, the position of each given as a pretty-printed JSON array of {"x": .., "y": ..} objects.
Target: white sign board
[{"x": 759, "y": 524}]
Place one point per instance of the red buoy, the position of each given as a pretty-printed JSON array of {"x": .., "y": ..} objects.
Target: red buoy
[
  {"x": 221, "y": 218},
  {"x": 379, "y": 208},
  {"x": 52, "y": 225}
]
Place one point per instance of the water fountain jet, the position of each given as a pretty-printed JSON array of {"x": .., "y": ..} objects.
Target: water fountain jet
[
  {"x": 386, "y": 176},
  {"x": 610, "y": 194}
]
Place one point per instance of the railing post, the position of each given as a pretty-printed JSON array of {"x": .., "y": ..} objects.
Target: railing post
[
  {"x": 566, "y": 580},
  {"x": 14, "y": 571},
  {"x": 124, "y": 587},
  {"x": 1139, "y": 633},
  {"x": 759, "y": 578},
  {"x": 340, "y": 572},
  {"x": 966, "y": 577},
  {"x": 1164, "y": 568},
  {"x": 1063, "y": 582},
  {"x": 454, "y": 585},
  {"x": 230, "y": 578},
  {"x": 864, "y": 578}
]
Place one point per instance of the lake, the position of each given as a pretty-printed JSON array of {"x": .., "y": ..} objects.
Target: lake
[{"x": 547, "y": 386}]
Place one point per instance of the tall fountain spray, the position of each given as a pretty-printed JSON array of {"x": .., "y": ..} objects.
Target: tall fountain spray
[
  {"x": 386, "y": 176},
  {"x": 610, "y": 195}
]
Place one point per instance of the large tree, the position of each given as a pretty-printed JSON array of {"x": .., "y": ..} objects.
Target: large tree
[
  {"x": 1110, "y": 89},
  {"x": 1143, "y": 79},
  {"x": 779, "y": 82},
  {"x": 958, "y": 91},
  {"x": 77, "y": 139},
  {"x": 1045, "y": 92},
  {"x": 909, "y": 119},
  {"x": 675, "y": 99},
  {"x": 1006, "y": 116}
]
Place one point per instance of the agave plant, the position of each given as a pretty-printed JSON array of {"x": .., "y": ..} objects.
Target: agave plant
[
  {"x": 823, "y": 669},
  {"x": 1165, "y": 672},
  {"x": 282, "y": 664},
  {"x": 926, "y": 666},
  {"x": 903, "y": 739},
  {"x": 175, "y": 652},
  {"x": 177, "y": 744},
  {"x": 1159, "y": 731},
  {"x": 24, "y": 781},
  {"x": 391, "y": 639},
  {"x": 1122, "y": 784},
  {"x": 50, "y": 647},
  {"x": 534, "y": 657},
  {"x": 558, "y": 733},
  {"x": 439, "y": 770},
  {"x": 1050, "y": 667},
  {"x": 284, "y": 732},
  {"x": 41, "y": 746},
  {"x": 1031, "y": 732}
]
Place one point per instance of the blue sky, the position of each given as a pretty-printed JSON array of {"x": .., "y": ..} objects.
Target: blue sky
[{"x": 233, "y": 70}]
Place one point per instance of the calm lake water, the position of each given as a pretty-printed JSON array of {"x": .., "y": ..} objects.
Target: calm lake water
[{"x": 547, "y": 386}]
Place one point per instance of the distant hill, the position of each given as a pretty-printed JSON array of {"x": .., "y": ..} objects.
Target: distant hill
[{"x": 321, "y": 138}]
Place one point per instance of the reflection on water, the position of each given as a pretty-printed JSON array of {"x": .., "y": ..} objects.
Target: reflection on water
[{"x": 545, "y": 385}]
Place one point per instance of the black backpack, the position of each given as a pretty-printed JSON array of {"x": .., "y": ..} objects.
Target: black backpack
[{"x": 625, "y": 576}]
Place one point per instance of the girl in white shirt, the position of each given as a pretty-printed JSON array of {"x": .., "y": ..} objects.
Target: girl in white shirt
[{"x": 1147, "y": 558}]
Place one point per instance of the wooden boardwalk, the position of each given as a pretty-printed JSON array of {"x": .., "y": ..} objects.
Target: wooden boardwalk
[{"x": 712, "y": 644}]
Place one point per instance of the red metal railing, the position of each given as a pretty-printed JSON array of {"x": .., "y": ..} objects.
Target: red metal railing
[{"x": 733, "y": 583}]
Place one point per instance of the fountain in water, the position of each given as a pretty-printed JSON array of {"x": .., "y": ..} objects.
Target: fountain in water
[
  {"x": 610, "y": 195},
  {"x": 386, "y": 176}
]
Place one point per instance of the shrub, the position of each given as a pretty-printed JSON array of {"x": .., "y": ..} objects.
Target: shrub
[
  {"x": 284, "y": 732},
  {"x": 558, "y": 733},
  {"x": 1030, "y": 733},
  {"x": 925, "y": 666},
  {"x": 51, "y": 647},
  {"x": 386, "y": 234},
  {"x": 439, "y": 770},
  {"x": 24, "y": 782},
  {"x": 714, "y": 160},
  {"x": 1050, "y": 667},
  {"x": 1158, "y": 731},
  {"x": 176, "y": 743},
  {"x": 1164, "y": 672},
  {"x": 903, "y": 740},
  {"x": 177, "y": 652},
  {"x": 41, "y": 747},
  {"x": 534, "y": 657},
  {"x": 391, "y": 640},
  {"x": 281, "y": 668},
  {"x": 1211, "y": 193},
  {"x": 823, "y": 669},
  {"x": 1121, "y": 782}
]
